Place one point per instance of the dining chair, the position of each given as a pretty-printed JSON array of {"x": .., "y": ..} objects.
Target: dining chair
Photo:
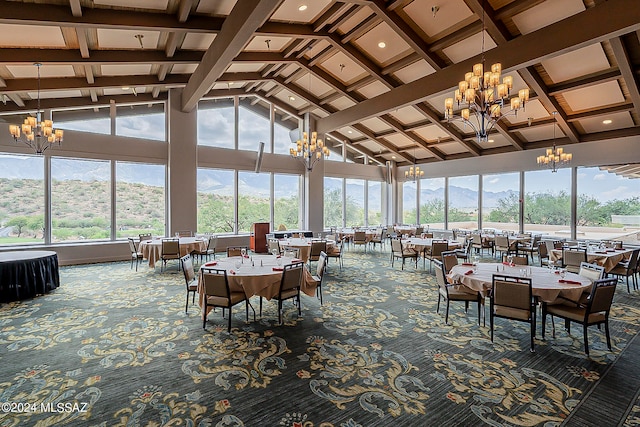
[
  {"x": 212, "y": 242},
  {"x": 449, "y": 292},
  {"x": 289, "y": 287},
  {"x": 591, "y": 271},
  {"x": 594, "y": 312},
  {"x": 236, "y": 250},
  {"x": 572, "y": 258},
  {"x": 274, "y": 245},
  {"x": 337, "y": 252},
  {"x": 399, "y": 251},
  {"x": 435, "y": 254},
  {"x": 317, "y": 247},
  {"x": 291, "y": 252},
  {"x": 320, "y": 274},
  {"x": 377, "y": 238},
  {"x": 516, "y": 259},
  {"x": 449, "y": 260},
  {"x": 135, "y": 254},
  {"x": 360, "y": 238},
  {"x": 144, "y": 236},
  {"x": 170, "y": 250},
  {"x": 628, "y": 268},
  {"x": 189, "y": 278},
  {"x": 218, "y": 294},
  {"x": 512, "y": 298},
  {"x": 501, "y": 245},
  {"x": 531, "y": 248}
]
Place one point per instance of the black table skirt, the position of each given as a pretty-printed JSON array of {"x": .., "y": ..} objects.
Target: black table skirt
[{"x": 25, "y": 274}]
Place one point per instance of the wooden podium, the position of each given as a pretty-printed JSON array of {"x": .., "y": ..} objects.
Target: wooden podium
[{"x": 259, "y": 237}]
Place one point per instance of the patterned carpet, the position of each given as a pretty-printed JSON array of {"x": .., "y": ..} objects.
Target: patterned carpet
[{"x": 113, "y": 347}]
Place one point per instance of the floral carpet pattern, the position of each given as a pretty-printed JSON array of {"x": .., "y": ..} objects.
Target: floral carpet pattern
[{"x": 114, "y": 347}]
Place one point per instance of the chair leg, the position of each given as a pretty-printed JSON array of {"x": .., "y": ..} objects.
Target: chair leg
[
  {"x": 606, "y": 331},
  {"x": 478, "y": 312},
  {"x": 438, "y": 306},
  {"x": 491, "y": 322},
  {"x": 533, "y": 332},
  {"x": 446, "y": 315},
  {"x": 204, "y": 313},
  {"x": 280, "y": 312},
  {"x": 187, "y": 304},
  {"x": 586, "y": 339},
  {"x": 229, "y": 327}
]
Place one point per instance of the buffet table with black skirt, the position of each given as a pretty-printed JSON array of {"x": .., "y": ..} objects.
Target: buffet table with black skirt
[{"x": 25, "y": 274}]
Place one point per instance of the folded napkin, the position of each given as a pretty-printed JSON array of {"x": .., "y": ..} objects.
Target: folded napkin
[
  {"x": 468, "y": 272},
  {"x": 278, "y": 256},
  {"x": 278, "y": 269},
  {"x": 211, "y": 263},
  {"x": 556, "y": 272},
  {"x": 246, "y": 256},
  {"x": 232, "y": 271},
  {"x": 506, "y": 263},
  {"x": 466, "y": 263},
  {"x": 569, "y": 282}
]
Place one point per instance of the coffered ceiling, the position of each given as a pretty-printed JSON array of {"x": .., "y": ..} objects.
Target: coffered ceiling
[{"x": 374, "y": 73}]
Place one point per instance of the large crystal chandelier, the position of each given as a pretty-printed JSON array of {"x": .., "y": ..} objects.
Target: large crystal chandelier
[
  {"x": 485, "y": 99},
  {"x": 37, "y": 133},
  {"x": 309, "y": 152}
]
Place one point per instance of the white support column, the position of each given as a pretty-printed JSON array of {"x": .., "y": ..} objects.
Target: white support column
[
  {"x": 182, "y": 146},
  {"x": 314, "y": 189}
]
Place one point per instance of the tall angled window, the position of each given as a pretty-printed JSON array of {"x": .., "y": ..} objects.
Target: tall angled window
[
  {"x": 216, "y": 123},
  {"x": 253, "y": 125},
  {"x": 254, "y": 199},
  {"x": 283, "y": 132},
  {"x": 500, "y": 201},
  {"x": 286, "y": 201},
  {"x": 333, "y": 202},
  {"x": 141, "y": 121},
  {"x": 547, "y": 202},
  {"x": 216, "y": 203},
  {"x": 22, "y": 201},
  {"x": 80, "y": 199},
  {"x": 432, "y": 202},
  {"x": 140, "y": 199},
  {"x": 608, "y": 205}
]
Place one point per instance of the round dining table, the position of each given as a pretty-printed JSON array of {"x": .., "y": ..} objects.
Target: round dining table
[
  {"x": 152, "y": 249},
  {"x": 256, "y": 275},
  {"x": 547, "y": 285},
  {"x": 25, "y": 274}
]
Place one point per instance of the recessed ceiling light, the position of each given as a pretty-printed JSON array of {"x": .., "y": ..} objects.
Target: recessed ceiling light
[
  {"x": 349, "y": 131},
  {"x": 491, "y": 140},
  {"x": 302, "y": 7},
  {"x": 393, "y": 157},
  {"x": 382, "y": 45},
  {"x": 291, "y": 98},
  {"x": 607, "y": 122},
  {"x": 125, "y": 87}
]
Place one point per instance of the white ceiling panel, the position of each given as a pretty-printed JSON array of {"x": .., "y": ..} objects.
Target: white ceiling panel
[
  {"x": 289, "y": 10},
  {"x": 196, "y": 41},
  {"x": 577, "y": 63},
  {"x": 450, "y": 13},
  {"x": 215, "y": 7},
  {"x": 546, "y": 13},
  {"x": 594, "y": 96},
  {"x": 431, "y": 132},
  {"x": 126, "y": 39},
  {"x": 374, "y": 89},
  {"x": 30, "y": 36},
  {"x": 532, "y": 109},
  {"x": 414, "y": 71},
  {"x": 141, "y": 4},
  {"x": 126, "y": 69},
  {"x": 343, "y": 68},
  {"x": 355, "y": 20},
  {"x": 468, "y": 48},
  {"x": 259, "y": 44},
  {"x": 541, "y": 133},
  {"x": 399, "y": 140},
  {"x": 245, "y": 68},
  {"x": 55, "y": 94},
  {"x": 619, "y": 120},
  {"x": 394, "y": 44},
  {"x": 408, "y": 115},
  {"x": 183, "y": 68},
  {"x": 342, "y": 103},
  {"x": 451, "y": 148},
  {"x": 376, "y": 125},
  {"x": 314, "y": 85},
  {"x": 46, "y": 70}
]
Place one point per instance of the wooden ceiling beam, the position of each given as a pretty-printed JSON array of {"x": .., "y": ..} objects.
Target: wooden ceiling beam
[
  {"x": 362, "y": 28},
  {"x": 238, "y": 29},
  {"x": 82, "y": 102},
  {"x": 352, "y": 10},
  {"x": 328, "y": 15},
  {"x": 21, "y": 56},
  {"x": 448, "y": 128},
  {"x": 592, "y": 79},
  {"x": 624, "y": 63},
  {"x": 76, "y": 9}
]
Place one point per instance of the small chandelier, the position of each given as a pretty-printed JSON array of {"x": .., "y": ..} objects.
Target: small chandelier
[
  {"x": 554, "y": 157},
  {"x": 487, "y": 100},
  {"x": 309, "y": 152},
  {"x": 414, "y": 171},
  {"x": 37, "y": 133}
]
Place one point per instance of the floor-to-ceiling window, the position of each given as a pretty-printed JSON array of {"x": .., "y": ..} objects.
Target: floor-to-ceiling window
[
  {"x": 80, "y": 199},
  {"x": 141, "y": 121},
  {"x": 253, "y": 126},
  {"x": 140, "y": 199},
  {"x": 354, "y": 202},
  {"x": 432, "y": 202},
  {"x": 332, "y": 202},
  {"x": 500, "y": 201},
  {"x": 216, "y": 201},
  {"x": 86, "y": 120},
  {"x": 374, "y": 203},
  {"x": 286, "y": 201},
  {"x": 463, "y": 202},
  {"x": 547, "y": 202},
  {"x": 608, "y": 205},
  {"x": 409, "y": 202},
  {"x": 22, "y": 201},
  {"x": 254, "y": 199}
]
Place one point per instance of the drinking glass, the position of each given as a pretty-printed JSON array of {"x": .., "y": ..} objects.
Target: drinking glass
[
  {"x": 243, "y": 251},
  {"x": 279, "y": 262},
  {"x": 274, "y": 252},
  {"x": 563, "y": 272},
  {"x": 510, "y": 259},
  {"x": 238, "y": 264}
]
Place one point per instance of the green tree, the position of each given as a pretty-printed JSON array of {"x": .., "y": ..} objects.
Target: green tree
[
  {"x": 333, "y": 208},
  {"x": 18, "y": 223},
  {"x": 431, "y": 212}
]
